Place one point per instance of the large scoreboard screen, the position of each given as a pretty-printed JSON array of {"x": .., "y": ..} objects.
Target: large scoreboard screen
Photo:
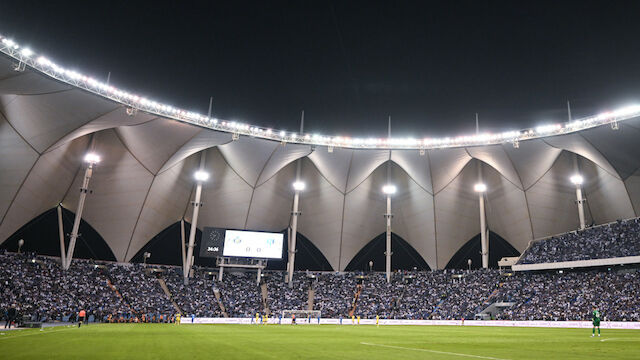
[
  {"x": 240, "y": 243},
  {"x": 253, "y": 244}
]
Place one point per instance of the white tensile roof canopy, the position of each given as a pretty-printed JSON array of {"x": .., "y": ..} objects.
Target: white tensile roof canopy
[{"x": 144, "y": 182}]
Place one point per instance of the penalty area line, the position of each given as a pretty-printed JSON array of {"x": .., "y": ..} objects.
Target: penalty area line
[{"x": 433, "y": 351}]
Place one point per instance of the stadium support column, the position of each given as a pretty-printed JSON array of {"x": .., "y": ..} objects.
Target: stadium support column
[
  {"x": 298, "y": 186},
  {"x": 182, "y": 244},
  {"x": 200, "y": 176},
  {"x": 577, "y": 180},
  {"x": 388, "y": 190},
  {"x": 388, "y": 252},
  {"x": 294, "y": 230},
  {"x": 580, "y": 202},
  {"x": 61, "y": 235},
  {"x": 483, "y": 234},
  {"x": 481, "y": 188},
  {"x": 91, "y": 159}
]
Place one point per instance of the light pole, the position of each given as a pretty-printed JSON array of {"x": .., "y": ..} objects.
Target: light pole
[
  {"x": 200, "y": 176},
  {"x": 91, "y": 159},
  {"x": 469, "y": 263},
  {"x": 20, "y": 243},
  {"x": 298, "y": 186},
  {"x": 146, "y": 256},
  {"x": 577, "y": 180},
  {"x": 481, "y": 188},
  {"x": 388, "y": 190}
]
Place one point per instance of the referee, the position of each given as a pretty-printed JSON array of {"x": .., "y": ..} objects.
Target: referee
[{"x": 81, "y": 316}]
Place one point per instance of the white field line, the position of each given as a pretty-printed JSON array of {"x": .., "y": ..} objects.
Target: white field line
[
  {"x": 619, "y": 339},
  {"x": 36, "y": 333},
  {"x": 433, "y": 351}
]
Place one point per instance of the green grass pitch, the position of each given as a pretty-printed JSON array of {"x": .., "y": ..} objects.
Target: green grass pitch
[{"x": 170, "y": 341}]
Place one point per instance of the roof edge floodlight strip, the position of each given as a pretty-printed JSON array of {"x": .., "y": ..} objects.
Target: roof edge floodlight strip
[{"x": 27, "y": 57}]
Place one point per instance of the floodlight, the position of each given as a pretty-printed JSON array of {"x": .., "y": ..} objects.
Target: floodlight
[
  {"x": 27, "y": 52},
  {"x": 299, "y": 186},
  {"x": 576, "y": 179},
  {"x": 389, "y": 189},
  {"x": 480, "y": 187},
  {"x": 201, "y": 175},
  {"x": 92, "y": 158}
]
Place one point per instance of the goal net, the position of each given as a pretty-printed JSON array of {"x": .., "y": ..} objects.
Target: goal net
[{"x": 301, "y": 314}]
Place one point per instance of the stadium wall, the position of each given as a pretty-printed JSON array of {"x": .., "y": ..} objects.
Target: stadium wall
[
  {"x": 347, "y": 321},
  {"x": 577, "y": 264}
]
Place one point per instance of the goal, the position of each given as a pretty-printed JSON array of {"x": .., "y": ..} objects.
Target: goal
[{"x": 301, "y": 314}]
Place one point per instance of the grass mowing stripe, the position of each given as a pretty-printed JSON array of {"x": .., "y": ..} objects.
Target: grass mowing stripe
[{"x": 433, "y": 351}]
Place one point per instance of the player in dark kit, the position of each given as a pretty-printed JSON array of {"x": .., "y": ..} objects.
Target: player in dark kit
[
  {"x": 595, "y": 317},
  {"x": 11, "y": 315}
]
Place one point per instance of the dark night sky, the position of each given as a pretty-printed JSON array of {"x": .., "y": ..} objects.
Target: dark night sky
[{"x": 349, "y": 65}]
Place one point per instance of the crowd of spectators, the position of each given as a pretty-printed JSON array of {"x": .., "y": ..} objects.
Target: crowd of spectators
[
  {"x": 378, "y": 297},
  {"x": 334, "y": 293},
  {"x": 240, "y": 294},
  {"x": 618, "y": 239},
  {"x": 467, "y": 293},
  {"x": 197, "y": 297},
  {"x": 556, "y": 296},
  {"x": 140, "y": 289},
  {"x": 282, "y": 297},
  {"x": 41, "y": 291}
]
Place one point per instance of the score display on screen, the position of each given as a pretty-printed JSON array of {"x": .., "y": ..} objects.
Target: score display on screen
[{"x": 253, "y": 244}]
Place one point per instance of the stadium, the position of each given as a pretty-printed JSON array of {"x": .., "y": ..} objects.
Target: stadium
[{"x": 172, "y": 230}]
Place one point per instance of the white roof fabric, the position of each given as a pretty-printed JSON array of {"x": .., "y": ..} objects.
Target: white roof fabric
[{"x": 145, "y": 180}]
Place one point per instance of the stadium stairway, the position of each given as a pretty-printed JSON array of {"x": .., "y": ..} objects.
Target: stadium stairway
[
  {"x": 218, "y": 296},
  {"x": 356, "y": 296},
  {"x": 112, "y": 286},
  {"x": 398, "y": 301},
  {"x": 265, "y": 295},
  {"x": 164, "y": 287},
  {"x": 311, "y": 299}
]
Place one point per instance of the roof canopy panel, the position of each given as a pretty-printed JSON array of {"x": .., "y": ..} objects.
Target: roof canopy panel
[
  {"x": 552, "y": 200},
  {"x": 578, "y": 144},
  {"x": 203, "y": 140},
  {"x": 271, "y": 202},
  {"x": 154, "y": 142},
  {"x": 29, "y": 83},
  {"x": 165, "y": 204},
  {"x": 416, "y": 165},
  {"x": 333, "y": 166},
  {"x": 457, "y": 213},
  {"x": 120, "y": 185},
  {"x": 226, "y": 196},
  {"x": 16, "y": 159},
  {"x": 45, "y": 186},
  {"x": 42, "y": 120},
  {"x": 532, "y": 159},
  {"x": 620, "y": 147},
  {"x": 413, "y": 215},
  {"x": 321, "y": 205},
  {"x": 248, "y": 157},
  {"x": 446, "y": 165}
]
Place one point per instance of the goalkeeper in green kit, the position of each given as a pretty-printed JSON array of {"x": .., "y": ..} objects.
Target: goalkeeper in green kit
[{"x": 595, "y": 317}]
